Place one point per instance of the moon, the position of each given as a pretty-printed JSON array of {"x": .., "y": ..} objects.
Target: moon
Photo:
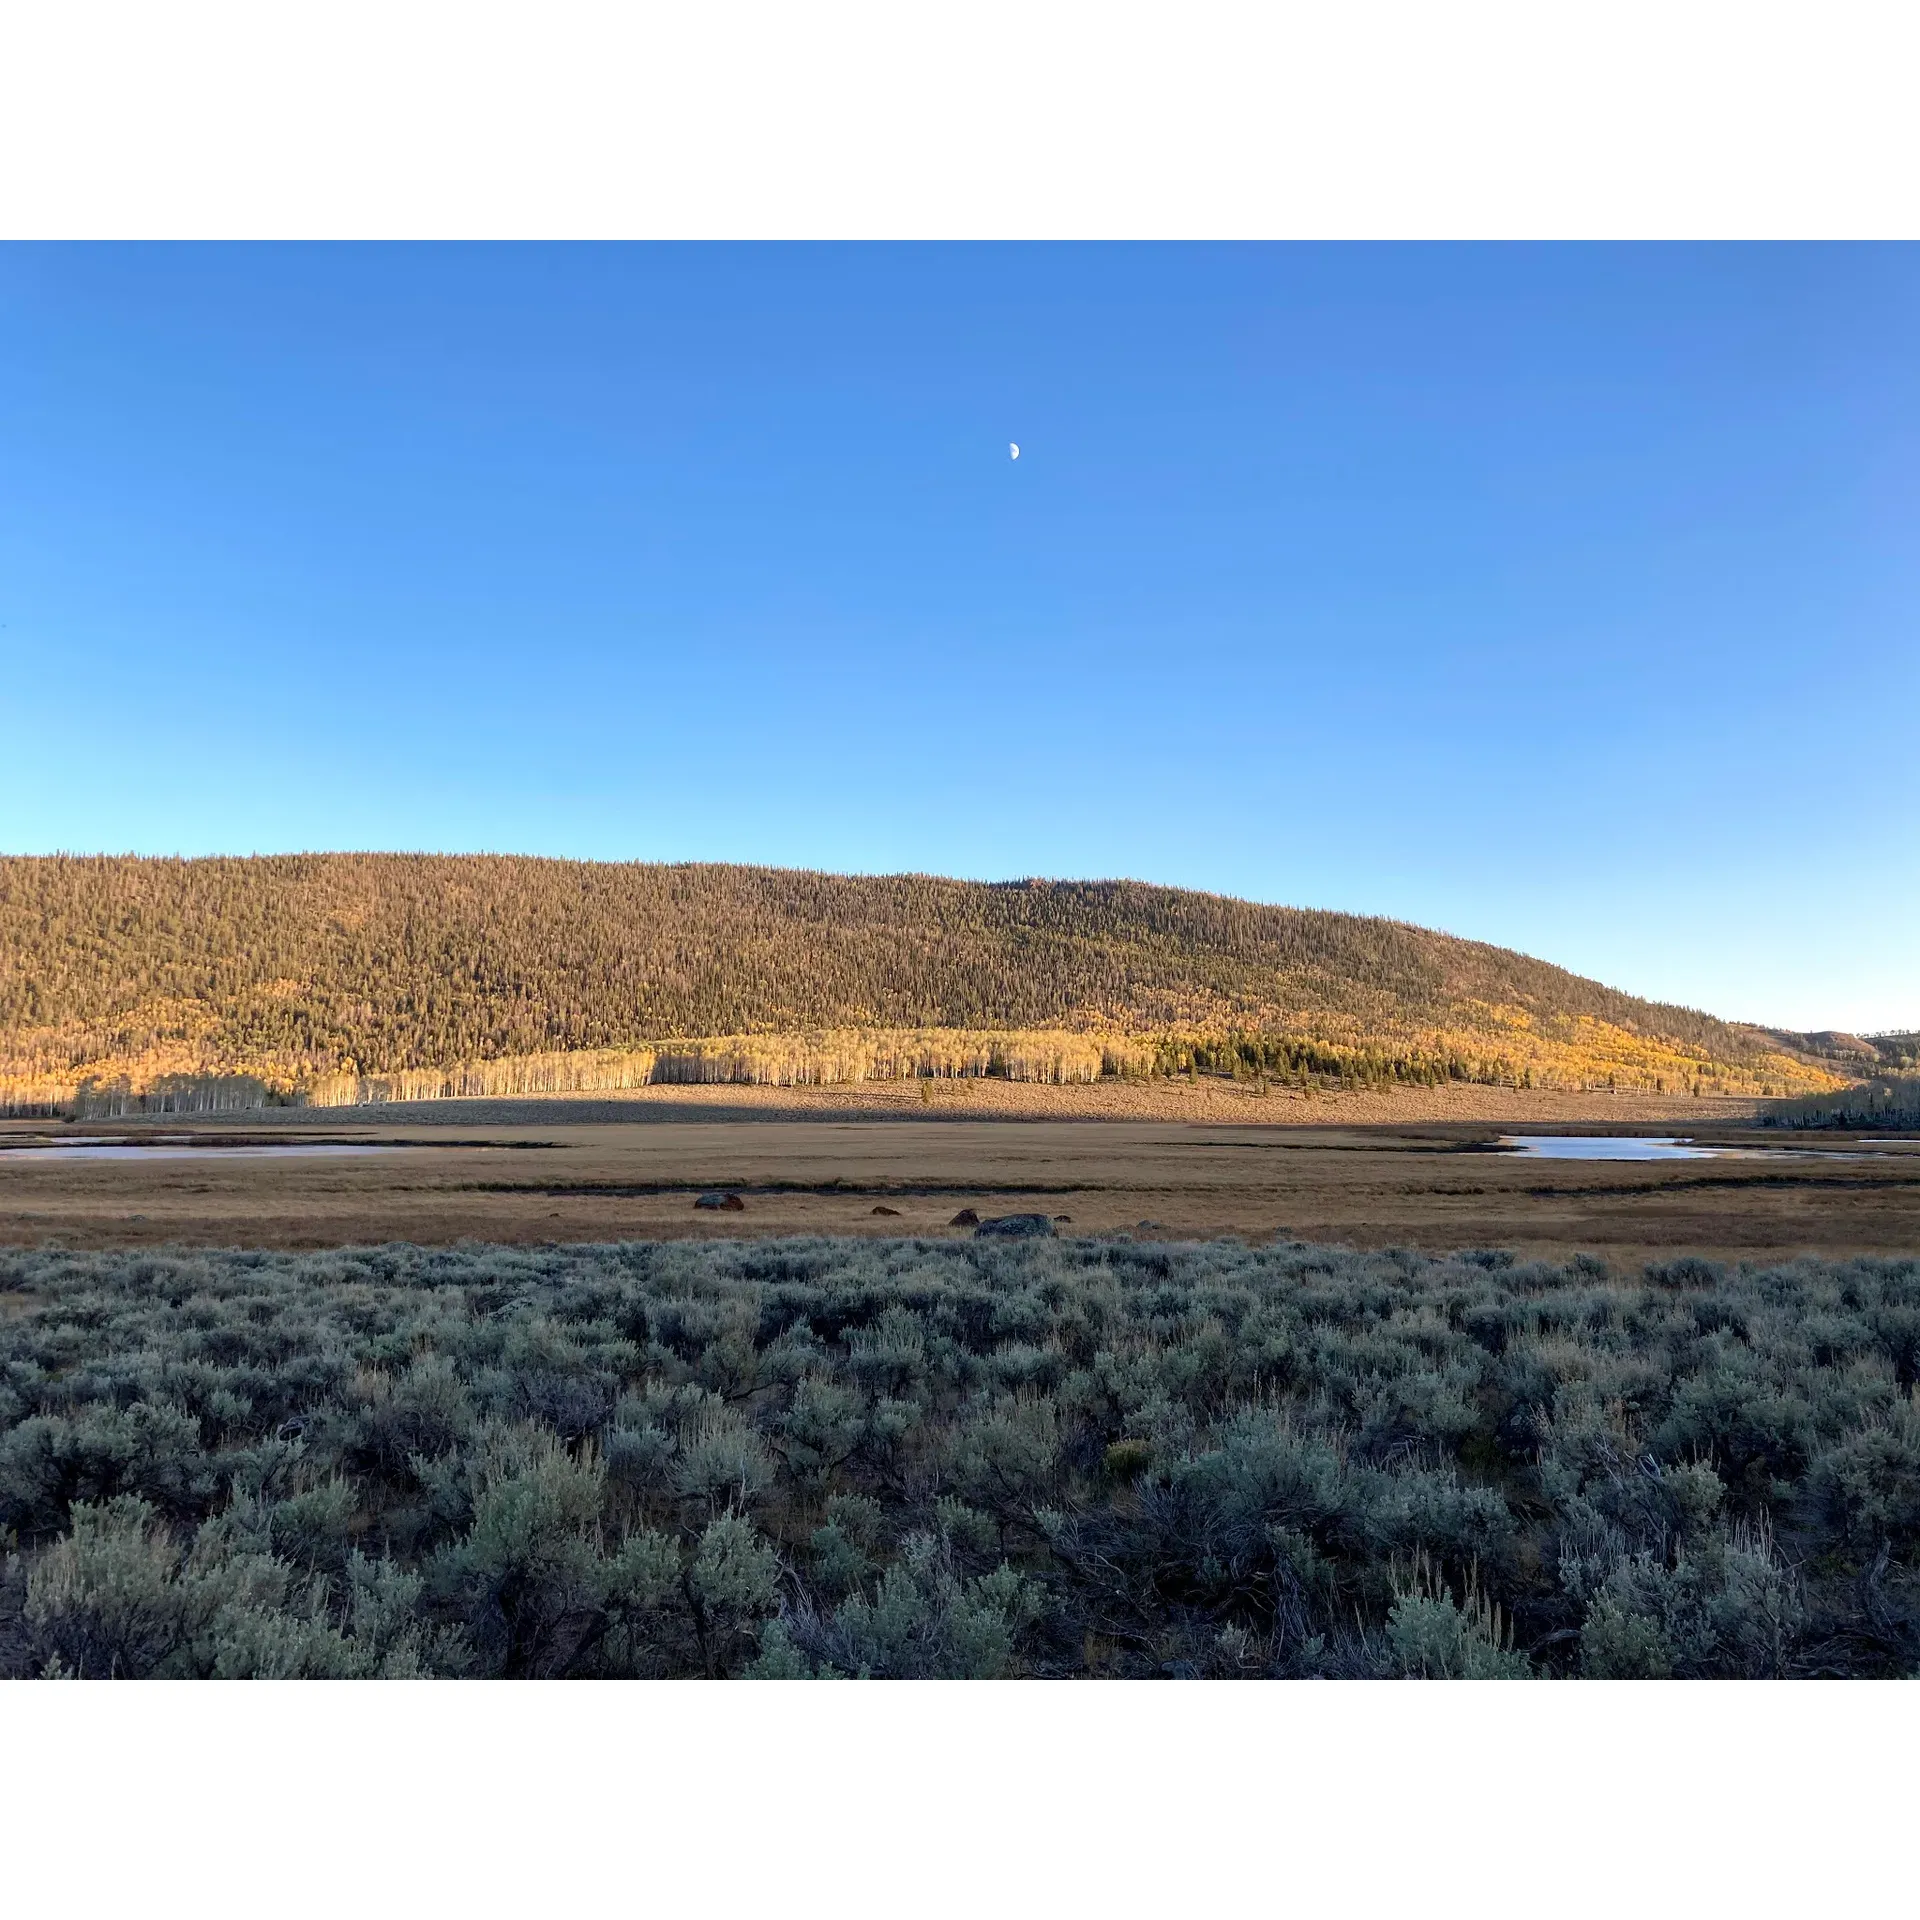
[{"x": 1013, "y": 449}]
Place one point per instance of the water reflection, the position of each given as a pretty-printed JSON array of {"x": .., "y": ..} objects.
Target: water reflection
[
  {"x": 1588, "y": 1146},
  {"x": 143, "y": 1151}
]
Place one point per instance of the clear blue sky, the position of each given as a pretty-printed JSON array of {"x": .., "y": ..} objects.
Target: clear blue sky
[{"x": 1559, "y": 597}]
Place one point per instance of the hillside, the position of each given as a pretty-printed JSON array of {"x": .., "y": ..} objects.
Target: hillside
[
  {"x": 1850, "y": 1053},
  {"x": 303, "y": 969}
]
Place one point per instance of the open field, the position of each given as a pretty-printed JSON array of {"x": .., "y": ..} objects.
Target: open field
[
  {"x": 1358, "y": 1170},
  {"x": 497, "y": 1400},
  {"x": 1179, "y": 1100}
]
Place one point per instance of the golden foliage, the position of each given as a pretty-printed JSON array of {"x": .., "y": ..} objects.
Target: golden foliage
[{"x": 311, "y": 974}]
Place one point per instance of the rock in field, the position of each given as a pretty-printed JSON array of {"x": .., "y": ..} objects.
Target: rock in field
[{"x": 1015, "y": 1226}]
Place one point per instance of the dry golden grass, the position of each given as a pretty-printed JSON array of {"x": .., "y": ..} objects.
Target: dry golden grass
[{"x": 1366, "y": 1170}]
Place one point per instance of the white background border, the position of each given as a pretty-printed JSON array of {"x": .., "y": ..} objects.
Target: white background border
[
  {"x": 996, "y": 118},
  {"x": 929, "y": 1798}
]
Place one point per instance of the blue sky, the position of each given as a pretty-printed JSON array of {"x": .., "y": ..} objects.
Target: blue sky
[{"x": 1561, "y": 597}]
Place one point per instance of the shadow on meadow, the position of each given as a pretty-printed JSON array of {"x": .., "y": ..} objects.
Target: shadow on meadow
[{"x": 912, "y": 1458}]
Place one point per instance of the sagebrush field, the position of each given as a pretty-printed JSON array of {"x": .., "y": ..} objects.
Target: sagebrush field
[{"x": 920, "y": 1457}]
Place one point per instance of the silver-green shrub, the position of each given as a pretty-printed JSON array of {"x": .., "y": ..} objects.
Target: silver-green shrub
[{"x": 955, "y": 1458}]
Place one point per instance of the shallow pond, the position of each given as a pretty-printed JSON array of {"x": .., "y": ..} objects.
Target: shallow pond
[
  {"x": 1590, "y": 1146},
  {"x": 69, "y": 1151},
  {"x": 1597, "y": 1146}
]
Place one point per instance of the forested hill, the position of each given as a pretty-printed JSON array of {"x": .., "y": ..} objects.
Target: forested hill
[{"x": 300, "y": 965}]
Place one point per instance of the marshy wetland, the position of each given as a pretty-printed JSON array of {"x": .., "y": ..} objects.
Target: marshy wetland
[{"x": 527, "y": 1172}]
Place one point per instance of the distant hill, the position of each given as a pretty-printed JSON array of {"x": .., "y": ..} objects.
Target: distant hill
[
  {"x": 301, "y": 968},
  {"x": 1875, "y": 1052}
]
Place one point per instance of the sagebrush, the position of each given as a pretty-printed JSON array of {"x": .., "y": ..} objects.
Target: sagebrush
[{"x": 918, "y": 1458}]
